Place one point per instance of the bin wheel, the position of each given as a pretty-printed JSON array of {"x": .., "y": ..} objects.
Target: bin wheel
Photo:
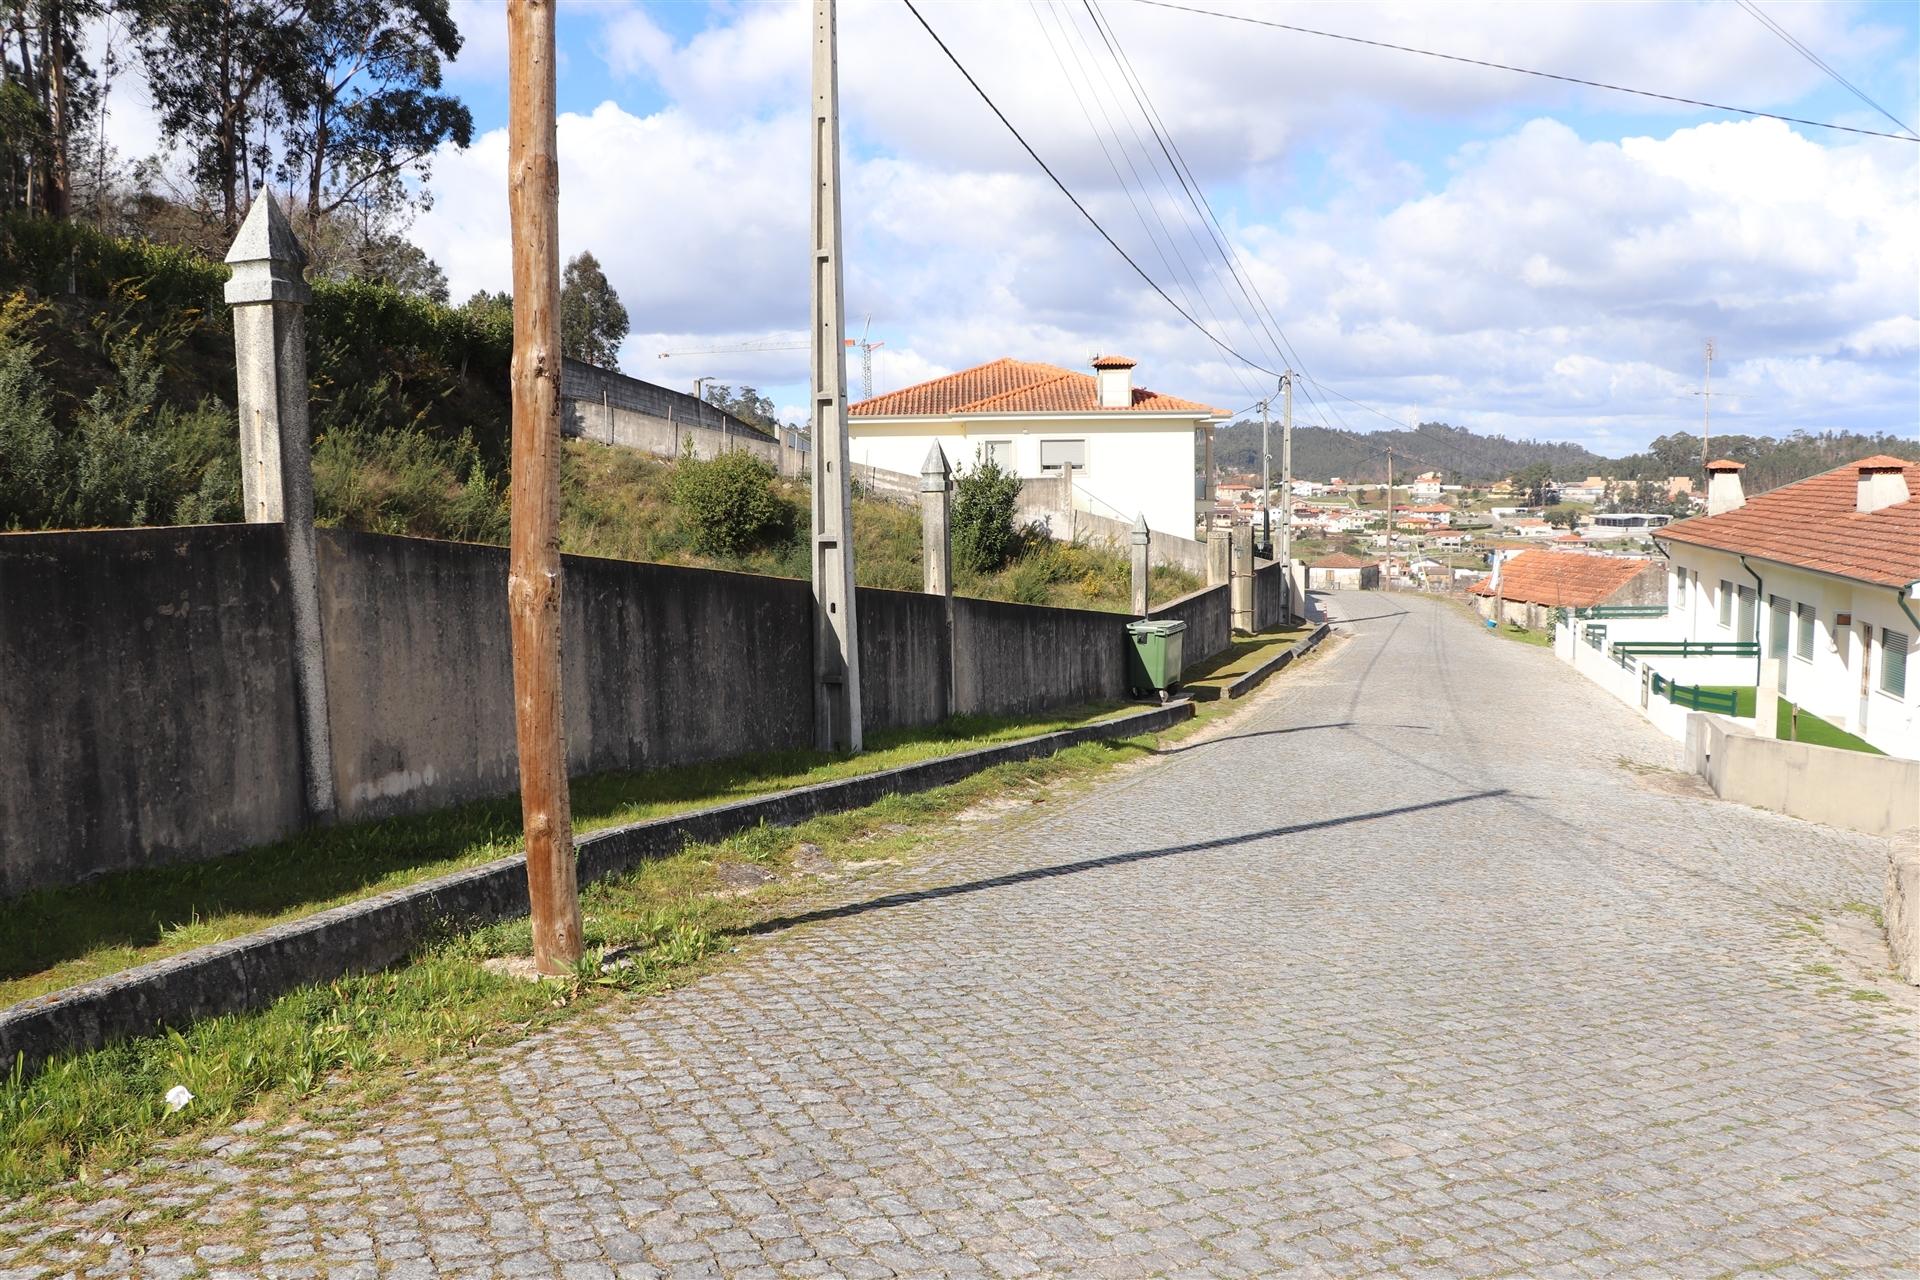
[{"x": 1163, "y": 697}]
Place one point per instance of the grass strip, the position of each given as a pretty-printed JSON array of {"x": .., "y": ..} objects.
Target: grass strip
[
  {"x": 83, "y": 1118},
  {"x": 56, "y": 938}
]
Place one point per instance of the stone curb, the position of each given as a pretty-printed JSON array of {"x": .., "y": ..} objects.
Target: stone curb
[
  {"x": 248, "y": 972},
  {"x": 1247, "y": 683},
  {"x": 1253, "y": 679}
]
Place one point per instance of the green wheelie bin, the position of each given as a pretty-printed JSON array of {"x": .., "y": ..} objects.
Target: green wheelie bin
[{"x": 1154, "y": 651}]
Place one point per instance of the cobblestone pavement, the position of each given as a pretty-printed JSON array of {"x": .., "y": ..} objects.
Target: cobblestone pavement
[{"x": 1405, "y": 974}]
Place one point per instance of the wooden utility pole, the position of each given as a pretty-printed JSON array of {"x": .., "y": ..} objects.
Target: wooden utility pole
[
  {"x": 533, "y": 573},
  {"x": 836, "y": 637}
]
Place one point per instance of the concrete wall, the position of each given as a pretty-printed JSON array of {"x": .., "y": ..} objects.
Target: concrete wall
[
  {"x": 613, "y": 409},
  {"x": 1271, "y": 587},
  {"x": 905, "y": 654},
  {"x": 1208, "y": 614},
  {"x": 1012, "y": 659},
  {"x": 1879, "y": 795},
  {"x": 147, "y": 710},
  {"x": 667, "y": 665},
  {"x": 1043, "y": 499}
]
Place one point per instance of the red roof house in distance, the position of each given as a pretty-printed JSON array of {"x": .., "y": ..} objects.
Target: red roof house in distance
[
  {"x": 1129, "y": 451},
  {"x": 1825, "y": 575},
  {"x": 1533, "y": 583},
  {"x": 1343, "y": 572}
]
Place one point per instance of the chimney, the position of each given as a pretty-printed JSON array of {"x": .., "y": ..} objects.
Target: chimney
[
  {"x": 1882, "y": 484},
  {"x": 1723, "y": 487},
  {"x": 1115, "y": 375}
]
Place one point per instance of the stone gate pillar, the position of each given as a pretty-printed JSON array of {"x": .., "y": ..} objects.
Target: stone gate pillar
[{"x": 268, "y": 293}]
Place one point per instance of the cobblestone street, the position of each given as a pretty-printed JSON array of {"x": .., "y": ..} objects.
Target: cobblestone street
[{"x": 1409, "y": 973}]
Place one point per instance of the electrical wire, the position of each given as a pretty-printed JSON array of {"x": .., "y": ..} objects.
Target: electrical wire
[
  {"x": 1075, "y": 200},
  {"x": 1525, "y": 71},
  {"x": 1819, "y": 62}
]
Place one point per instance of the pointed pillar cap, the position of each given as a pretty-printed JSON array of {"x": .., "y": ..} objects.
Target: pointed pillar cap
[
  {"x": 934, "y": 472},
  {"x": 1140, "y": 531},
  {"x": 268, "y": 263}
]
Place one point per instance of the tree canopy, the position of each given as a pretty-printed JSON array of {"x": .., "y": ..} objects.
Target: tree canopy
[{"x": 592, "y": 319}]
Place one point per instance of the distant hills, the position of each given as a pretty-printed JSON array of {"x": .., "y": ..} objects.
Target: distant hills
[{"x": 1467, "y": 457}]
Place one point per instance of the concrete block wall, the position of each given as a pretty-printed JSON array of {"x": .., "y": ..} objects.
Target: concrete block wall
[
  {"x": 1208, "y": 614},
  {"x": 665, "y": 665},
  {"x": 147, "y": 710},
  {"x": 1016, "y": 659},
  {"x": 906, "y": 652}
]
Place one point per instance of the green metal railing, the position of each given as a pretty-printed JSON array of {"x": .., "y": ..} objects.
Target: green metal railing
[
  {"x": 1692, "y": 648},
  {"x": 1720, "y": 701},
  {"x": 1612, "y": 611},
  {"x": 1597, "y": 636},
  {"x": 1623, "y": 658}
]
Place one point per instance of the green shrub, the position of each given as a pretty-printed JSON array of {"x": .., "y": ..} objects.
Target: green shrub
[
  {"x": 729, "y": 506},
  {"x": 984, "y": 537}
]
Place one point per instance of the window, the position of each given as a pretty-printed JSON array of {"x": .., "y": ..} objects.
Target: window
[
  {"x": 998, "y": 452},
  {"x": 1053, "y": 453},
  {"x": 1893, "y": 662},
  {"x": 1726, "y": 603},
  {"x": 1679, "y": 588},
  {"x": 1803, "y": 639},
  {"x": 1779, "y": 613},
  {"x": 1748, "y": 604}
]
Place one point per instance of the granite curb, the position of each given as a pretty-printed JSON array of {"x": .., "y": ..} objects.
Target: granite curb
[{"x": 248, "y": 972}]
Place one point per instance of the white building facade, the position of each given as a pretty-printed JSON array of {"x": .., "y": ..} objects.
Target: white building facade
[
  {"x": 1131, "y": 451},
  {"x": 1824, "y": 576}
]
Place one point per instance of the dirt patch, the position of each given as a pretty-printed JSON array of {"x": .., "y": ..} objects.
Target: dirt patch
[
  {"x": 1667, "y": 782},
  {"x": 808, "y": 860},
  {"x": 740, "y": 878}
]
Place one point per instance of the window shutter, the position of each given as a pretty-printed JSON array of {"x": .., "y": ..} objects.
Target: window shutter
[
  {"x": 1893, "y": 662},
  {"x": 1778, "y": 611},
  {"x": 1803, "y": 643}
]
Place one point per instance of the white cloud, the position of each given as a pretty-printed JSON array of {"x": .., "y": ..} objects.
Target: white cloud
[{"x": 1542, "y": 284}]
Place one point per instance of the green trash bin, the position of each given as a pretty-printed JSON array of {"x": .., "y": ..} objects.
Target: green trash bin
[{"x": 1155, "y": 648}]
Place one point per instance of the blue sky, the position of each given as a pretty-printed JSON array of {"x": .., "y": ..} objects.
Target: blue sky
[{"x": 1439, "y": 241}]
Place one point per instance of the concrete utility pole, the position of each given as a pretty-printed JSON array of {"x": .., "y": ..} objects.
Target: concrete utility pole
[
  {"x": 268, "y": 293},
  {"x": 1706, "y": 408},
  {"x": 1389, "y": 515},
  {"x": 1141, "y": 539},
  {"x": 836, "y": 638},
  {"x": 533, "y": 573},
  {"x": 1286, "y": 489},
  {"x": 1266, "y": 484}
]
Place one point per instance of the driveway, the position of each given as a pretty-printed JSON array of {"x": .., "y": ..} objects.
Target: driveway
[{"x": 1424, "y": 968}]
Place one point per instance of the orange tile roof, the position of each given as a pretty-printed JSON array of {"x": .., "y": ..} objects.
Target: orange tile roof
[
  {"x": 1015, "y": 386},
  {"x": 1813, "y": 524},
  {"x": 1561, "y": 578},
  {"x": 1114, "y": 362}
]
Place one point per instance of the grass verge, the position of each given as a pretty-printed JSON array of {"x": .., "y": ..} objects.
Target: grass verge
[
  {"x": 339, "y": 1047},
  {"x": 58, "y": 937},
  {"x": 1244, "y": 654}
]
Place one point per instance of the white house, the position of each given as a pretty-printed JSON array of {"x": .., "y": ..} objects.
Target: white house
[
  {"x": 1131, "y": 450},
  {"x": 1824, "y": 573}
]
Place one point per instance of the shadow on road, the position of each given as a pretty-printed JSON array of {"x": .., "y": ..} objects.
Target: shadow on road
[
  {"x": 1111, "y": 860},
  {"x": 1271, "y": 733}
]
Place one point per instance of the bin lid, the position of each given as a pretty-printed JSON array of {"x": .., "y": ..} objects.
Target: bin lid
[{"x": 1156, "y": 626}]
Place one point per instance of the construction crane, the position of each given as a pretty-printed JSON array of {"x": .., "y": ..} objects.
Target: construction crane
[{"x": 866, "y": 357}]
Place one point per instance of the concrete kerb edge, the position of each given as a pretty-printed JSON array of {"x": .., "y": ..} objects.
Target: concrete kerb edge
[
  {"x": 249, "y": 972},
  {"x": 1253, "y": 679}
]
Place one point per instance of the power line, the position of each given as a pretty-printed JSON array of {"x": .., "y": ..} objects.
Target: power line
[
  {"x": 1524, "y": 71},
  {"x": 1281, "y": 346},
  {"x": 1819, "y": 62},
  {"x": 1192, "y": 277},
  {"x": 1068, "y": 193}
]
